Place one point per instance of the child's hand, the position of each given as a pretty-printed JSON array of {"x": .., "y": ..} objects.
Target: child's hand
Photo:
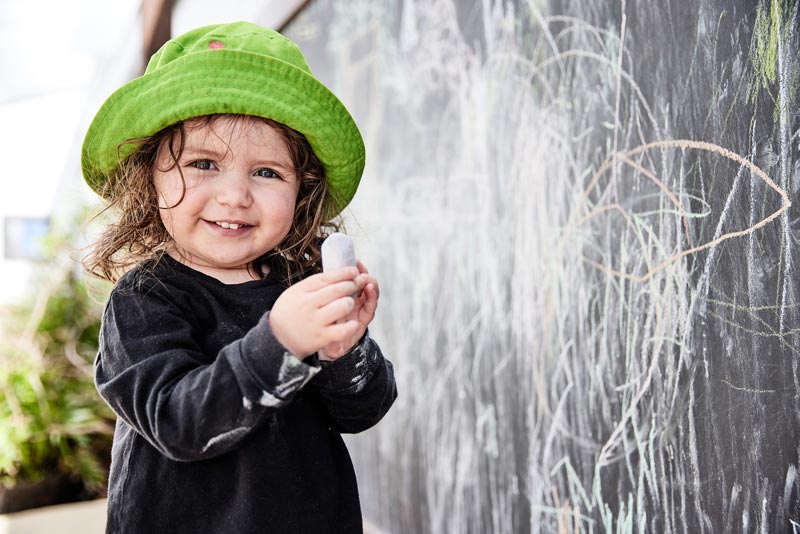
[
  {"x": 319, "y": 312},
  {"x": 362, "y": 314}
]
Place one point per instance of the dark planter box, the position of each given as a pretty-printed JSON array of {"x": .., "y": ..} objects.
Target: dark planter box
[{"x": 56, "y": 489}]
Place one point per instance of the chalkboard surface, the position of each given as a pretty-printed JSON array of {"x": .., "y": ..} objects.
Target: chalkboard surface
[{"x": 584, "y": 218}]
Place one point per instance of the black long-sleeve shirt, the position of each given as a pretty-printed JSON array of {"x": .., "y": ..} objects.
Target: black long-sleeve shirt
[{"x": 220, "y": 429}]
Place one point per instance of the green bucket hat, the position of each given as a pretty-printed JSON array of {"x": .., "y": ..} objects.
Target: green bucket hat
[{"x": 239, "y": 68}]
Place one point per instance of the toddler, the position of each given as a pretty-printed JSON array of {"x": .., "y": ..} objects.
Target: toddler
[{"x": 232, "y": 362}]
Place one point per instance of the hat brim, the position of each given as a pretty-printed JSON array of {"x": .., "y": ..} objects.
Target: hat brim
[{"x": 227, "y": 81}]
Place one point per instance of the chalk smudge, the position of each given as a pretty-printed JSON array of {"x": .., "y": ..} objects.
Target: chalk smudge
[
  {"x": 579, "y": 276},
  {"x": 229, "y": 436}
]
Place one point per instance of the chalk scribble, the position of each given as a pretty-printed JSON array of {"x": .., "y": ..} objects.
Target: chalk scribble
[{"x": 581, "y": 213}]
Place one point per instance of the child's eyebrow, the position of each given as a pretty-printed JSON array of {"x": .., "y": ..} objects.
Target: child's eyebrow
[
  {"x": 274, "y": 163},
  {"x": 201, "y": 151}
]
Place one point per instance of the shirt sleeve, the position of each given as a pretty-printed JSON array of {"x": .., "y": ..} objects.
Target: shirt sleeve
[
  {"x": 358, "y": 388},
  {"x": 187, "y": 404}
]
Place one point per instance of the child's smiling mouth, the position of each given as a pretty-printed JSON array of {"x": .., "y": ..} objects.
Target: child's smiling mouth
[{"x": 230, "y": 225}]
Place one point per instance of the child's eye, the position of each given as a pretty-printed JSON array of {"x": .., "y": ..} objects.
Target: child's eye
[
  {"x": 267, "y": 173},
  {"x": 203, "y": 164}
]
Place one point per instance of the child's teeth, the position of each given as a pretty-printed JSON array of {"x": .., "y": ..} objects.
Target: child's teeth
[{"x": 232, "y": 226}]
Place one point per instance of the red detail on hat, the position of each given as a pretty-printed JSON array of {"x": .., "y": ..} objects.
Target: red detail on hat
[{"x": 215, "y": 45}]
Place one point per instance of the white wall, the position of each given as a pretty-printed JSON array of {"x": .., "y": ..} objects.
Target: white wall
[
  {"x": 68, "y": 57},
  {"x": 190, "y": 14}
]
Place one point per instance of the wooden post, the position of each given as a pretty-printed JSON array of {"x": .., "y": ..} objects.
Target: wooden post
[{"x": 156, "y": 26}]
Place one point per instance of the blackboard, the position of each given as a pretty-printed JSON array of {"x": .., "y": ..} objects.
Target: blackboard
[{"x": 584, "y": 217}]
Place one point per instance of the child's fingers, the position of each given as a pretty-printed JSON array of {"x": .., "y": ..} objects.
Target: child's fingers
[
  {"x": 345, "y": 330},
  {"x": 369, "y": 303},
  {"x": 369, "y": 280},
  {"x": 374, "y": 293},
  {"x": 320, "y": 280},
  {"x": 337, "y": 290},
  {"x": 372, "y": 281},
  {"x": 336, "y": 310}
]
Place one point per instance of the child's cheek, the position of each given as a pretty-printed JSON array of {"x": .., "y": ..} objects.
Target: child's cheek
[
  {"x": 166, "y": 218},
  {"x": 168, "y": 200}
]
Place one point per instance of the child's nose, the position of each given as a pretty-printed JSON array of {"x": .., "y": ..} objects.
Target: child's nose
[{"x": 233, "y": 190}]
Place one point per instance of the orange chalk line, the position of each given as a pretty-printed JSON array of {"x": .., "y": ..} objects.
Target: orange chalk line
[
  {"x": 661, "y": 185},
  {"x": 678, "y": 143},
  {"x": 613, "y": 440}
]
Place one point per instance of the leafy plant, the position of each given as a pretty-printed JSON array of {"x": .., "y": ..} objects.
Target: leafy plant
[{"x": 52, "y": 421}]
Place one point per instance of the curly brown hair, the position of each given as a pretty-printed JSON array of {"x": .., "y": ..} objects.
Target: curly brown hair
[{"x": 138, "y": 233}]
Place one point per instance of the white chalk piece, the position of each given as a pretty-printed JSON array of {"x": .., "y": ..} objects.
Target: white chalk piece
[{"x": 338, "y": 251}]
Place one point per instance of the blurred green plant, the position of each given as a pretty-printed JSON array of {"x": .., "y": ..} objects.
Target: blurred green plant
[{"x": 53, "y": 423}]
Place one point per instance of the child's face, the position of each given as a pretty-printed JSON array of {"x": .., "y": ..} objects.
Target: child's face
[{"x": 240, "y": 194}]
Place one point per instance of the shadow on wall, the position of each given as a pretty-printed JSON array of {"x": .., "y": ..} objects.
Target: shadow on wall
[{"x": 580, "y": 213}]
